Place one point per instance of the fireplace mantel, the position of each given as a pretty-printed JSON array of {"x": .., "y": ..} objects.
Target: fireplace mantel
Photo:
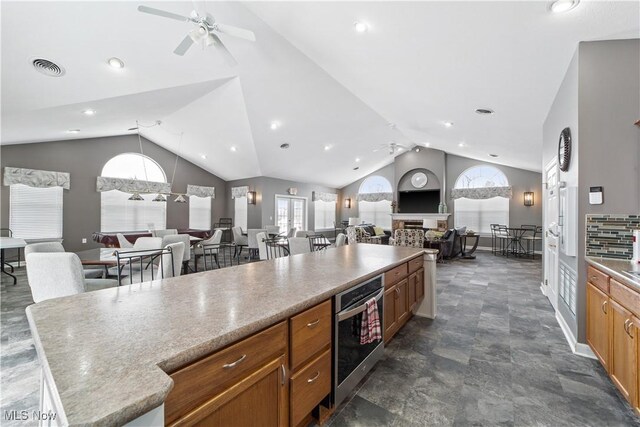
[{"x": 419, "y": 216}]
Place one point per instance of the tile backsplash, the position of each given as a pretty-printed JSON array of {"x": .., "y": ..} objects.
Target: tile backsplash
[{"x": 609, "y": 236}]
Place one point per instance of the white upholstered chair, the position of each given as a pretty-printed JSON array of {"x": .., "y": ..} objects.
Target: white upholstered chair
[
  {"x": 240, "y": 240},
  {"x": 341, "y": 240},
  {"x": 162, "y": 233},
  {"x": 299, "y": 245},
  {"x": 262, "y": 247},
  {"x": 123, "y": 242},
  {"x": 168, "y": 266},
  {"x": 59, "y": 274},
  {"x": 184, "y": 238},
  {"x": 56, "y": 247},
  {"x": 252, "y": 241},
  {"x": 211, "y": 246}
]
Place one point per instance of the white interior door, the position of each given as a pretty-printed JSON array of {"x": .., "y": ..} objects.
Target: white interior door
[
  {"x": 291, "y": 212},
  {"x": 551, "y": 233}
]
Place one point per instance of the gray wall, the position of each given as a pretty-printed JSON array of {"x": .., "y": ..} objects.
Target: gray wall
[
  {"x": 84, "y": 160},
  {"x": 600, "y": 100},
  {"x": 351, "y": 192},
  {"x": 520, "y": 181},
  {"x": 263, "y": 212},
  {"x": 564, "y": 113}
]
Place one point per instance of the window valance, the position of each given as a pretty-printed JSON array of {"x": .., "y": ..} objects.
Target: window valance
[
  {"x": 375, "y": 197},
  {"x": 105, "y": 183},
  {"x": 324, "y": 197},
  {"x": 237, "y": 192},
  {"x": 36, "y": 178},
  {"x": 201, "y": 191},
  {"x": 481, "y": 193}
]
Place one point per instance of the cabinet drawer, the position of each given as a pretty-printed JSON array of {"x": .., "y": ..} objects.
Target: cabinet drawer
[
  {"x": 625, "y": 296},
  {"x": 415, "y": 264},
  {"x": 202, "y": 380},
  {"x": 310, "y": 333},
  {"x": 395, "y": 275},
  {"x": 598, "y": 278},
  {"x": 310, "y": 386}
]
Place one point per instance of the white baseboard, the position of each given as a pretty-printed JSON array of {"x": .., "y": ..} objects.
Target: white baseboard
[{"x": 577, "y": 348}]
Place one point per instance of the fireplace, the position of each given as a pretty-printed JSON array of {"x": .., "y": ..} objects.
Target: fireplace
[{"x": 414, "y": 220}]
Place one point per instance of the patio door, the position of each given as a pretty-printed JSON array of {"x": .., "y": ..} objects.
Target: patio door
[
  {"x": 551, "y": 231},
  {"x": 291, "y": 212}
]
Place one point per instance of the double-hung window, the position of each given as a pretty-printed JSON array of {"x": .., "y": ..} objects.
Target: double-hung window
[
  {"x": 325, "y": 215},
  {"x": 35, "y": 213},
  {"x": 199, "y": 213}
]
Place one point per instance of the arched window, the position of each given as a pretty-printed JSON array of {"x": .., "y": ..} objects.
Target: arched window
[
  {"x": 374, "y": 200},
  {"x": 117, "y": 212},
  {"x": 481, "y": 197}
]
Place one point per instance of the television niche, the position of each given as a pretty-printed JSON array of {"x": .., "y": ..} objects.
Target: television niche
[{"x": 424, "y": 201}]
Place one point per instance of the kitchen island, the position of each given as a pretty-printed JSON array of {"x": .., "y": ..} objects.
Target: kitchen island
[{"x": 106, "y": 355}]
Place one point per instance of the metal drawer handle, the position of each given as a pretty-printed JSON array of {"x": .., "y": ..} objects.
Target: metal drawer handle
[
  {"x": 604, "y": 304},
  {"x": 627, "y": 327},
  {"x": 398, "y": 291},
  {"x": 310, "y": 380},
  {"x": 234, "y": 364},
  {"x": 313, "y": 324}
]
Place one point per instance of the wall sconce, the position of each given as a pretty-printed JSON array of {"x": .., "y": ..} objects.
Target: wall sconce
[
  {"x": 251, "y": 197},
  {"x": 528, "y": 198},
  {"x": 347, "y": 203}
]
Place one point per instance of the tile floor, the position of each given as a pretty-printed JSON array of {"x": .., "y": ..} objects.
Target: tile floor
[{"x": 495, "y": 355}]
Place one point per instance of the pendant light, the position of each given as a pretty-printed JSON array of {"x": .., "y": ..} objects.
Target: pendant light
[
  {"x": 180, "y": 199},
  {"x": 136, "y": 196},
  {"x": 159, "y": 198}
]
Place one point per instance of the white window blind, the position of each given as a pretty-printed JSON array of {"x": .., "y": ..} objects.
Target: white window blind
[
  {"x": 478, "y": 215},
  {"x": 118, "y": 213},
  {"x": 200, "y": 213},
  {"x": 35, "y": 213},
  {"x": 240, "y": 212},
  {"x": 325, "y": 215},
  {"x": 378, "y": 213}
]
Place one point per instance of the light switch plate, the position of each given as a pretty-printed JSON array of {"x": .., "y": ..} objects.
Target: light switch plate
[{"x": 596, "y": 195}]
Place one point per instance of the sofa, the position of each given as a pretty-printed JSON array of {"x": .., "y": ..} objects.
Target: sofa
[{"x": 371, "y": 229}]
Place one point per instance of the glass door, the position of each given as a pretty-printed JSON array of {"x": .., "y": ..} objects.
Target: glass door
[{"x": 291, "y": 212}]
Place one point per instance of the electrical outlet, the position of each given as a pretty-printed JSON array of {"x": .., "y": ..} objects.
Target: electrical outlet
[{"x": 84, "y": 240}]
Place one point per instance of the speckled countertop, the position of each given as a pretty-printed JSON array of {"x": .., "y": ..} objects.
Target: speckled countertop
[
  {"x": 616, "y": 268},
  {"x": 106, "y": 352}
]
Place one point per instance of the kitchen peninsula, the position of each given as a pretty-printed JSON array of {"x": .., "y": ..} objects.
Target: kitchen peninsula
[{"x": 112, "y": 357}]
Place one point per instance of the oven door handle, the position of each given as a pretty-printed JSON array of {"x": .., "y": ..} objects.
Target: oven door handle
[{"x": 359, "y": 309}]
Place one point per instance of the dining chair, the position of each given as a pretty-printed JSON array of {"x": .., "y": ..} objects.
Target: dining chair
[
  {"x": 225, "y": 224},
  {"x": 240, "y": 240},
  {"x": 169, "y": 261},
  {"x": 341, "y": 240},
  {"x": 56, "y": 247},
  {"x": 123, "y": 242},
  {"x": 262, "y": 246},
  {"x": 272, "y": 230},
  {"x": 186, "y": 256},
  {"x": 162, "y": 233},
  {"x": 531, "y": 237},
  {"x": 276, "y": 248},
  {"x": 302, "y": 233},
  {"x": 147, "y": 243},
  {"x": 292, "y": 232},
  {"x": 252, "y": 241},
  {"x": 58, "y": 274},
  {"x": 318, "y": 242},
  {"x": 298, "y": 245},
  {"x": 503, "y": 238},
  {"x": 211, "y": 247}
]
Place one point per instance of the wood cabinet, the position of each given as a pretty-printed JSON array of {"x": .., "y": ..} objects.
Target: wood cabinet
[
  {"x": 613, "y": 331},
  {"x": 309, "y": 387},
  {"x": 598, "y": 324},
  {"x": 404, "y": 290},
  {"x": 622, "y": 364},
  {"x": 310, "y": 333}
]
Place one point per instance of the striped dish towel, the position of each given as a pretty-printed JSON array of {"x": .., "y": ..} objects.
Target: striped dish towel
[{"x": 370, "y": 330}]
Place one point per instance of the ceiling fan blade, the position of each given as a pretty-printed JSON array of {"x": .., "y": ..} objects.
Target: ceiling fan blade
[
  {"x": 236, "y": 32},
  {"x": 184, "y": 45},
  {"x": 163, "y": 13},
  {"x": 223, "y": 50}
]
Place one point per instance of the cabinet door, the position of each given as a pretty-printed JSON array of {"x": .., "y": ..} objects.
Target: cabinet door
[
  {"x": 390, "y": 317},
  {"x": 598, "y": 324},
  {"x": 420, "y": 285},
  {"x": 413, "y": 284},
  {"x": 259, "y": 399},
  {"x": 622, "y": 362},
  {"x": 402, "y": 301}
]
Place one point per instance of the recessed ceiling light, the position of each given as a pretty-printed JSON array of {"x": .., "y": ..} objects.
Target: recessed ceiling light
[
  {"x": 274, "y": 125},
  {"x": 284, "y": 146},
  {"x": 400, "y": 148},
  {"x": 361, "y": 27},
  {"x": 462, "y": 144},
  {"x": 448, "y": 124},
  {"x": 89, "y": 112},
  {"x": 427, "y": 144},
  {"x": 484, "y": 111},
  {"x": 417, "y": 149},
  {"x": 327, "y": 147},
  {"x": 115, "y": 63},
  {"x": 356, "y": 168},
  {"x": 233, "y": 148},
  {"x": 204, "y": 156},
  {"x": 73, "y": 131},
  {"x": 560, "y": 6},
  {"x": 357, "y": 159},
  {"x": 493, "y": 155}
]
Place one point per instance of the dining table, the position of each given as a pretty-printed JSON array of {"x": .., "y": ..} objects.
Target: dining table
[{"x": 10, "y": 243}]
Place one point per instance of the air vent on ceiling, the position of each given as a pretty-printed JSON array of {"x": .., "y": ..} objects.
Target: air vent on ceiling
[
  {"x": 484, "y": 111},
  {"x": 48, "y": 68}
]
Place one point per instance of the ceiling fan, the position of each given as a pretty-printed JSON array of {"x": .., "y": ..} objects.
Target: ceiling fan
[
  {"x": 392, "y": 147},
  {"x": 204, "y": 32}
]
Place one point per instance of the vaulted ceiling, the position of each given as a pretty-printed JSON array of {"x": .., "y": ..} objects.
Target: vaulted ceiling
[{"x": 420, "y": 64}]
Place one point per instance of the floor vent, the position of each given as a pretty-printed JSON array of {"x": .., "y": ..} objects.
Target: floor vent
[{"x": 48, "y": 68}]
